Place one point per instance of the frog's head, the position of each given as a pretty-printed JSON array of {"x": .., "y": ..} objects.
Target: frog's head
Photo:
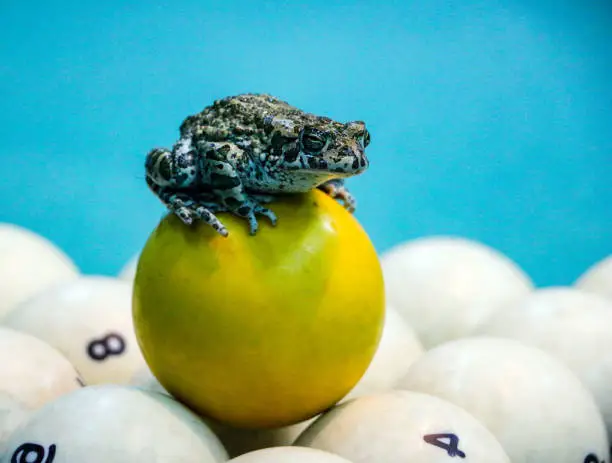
[{"x": 324, "y": 147}]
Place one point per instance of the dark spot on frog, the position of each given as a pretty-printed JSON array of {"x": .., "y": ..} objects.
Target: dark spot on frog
[
  {"x": 266, "y": 122},
  {"x": 292, "y": 154},
  {"x": 225, "y": 149},
  {"x": 355, "y": 163},
  {"x": 232, "y": 203},
  {"x": 212, "y": 154},
  {"x": 243, "y": 130},
  {"x": 244, "y": 210},
  {"x": 315, "y": 163},
  {"x": 165, "y": 169},
  {"x": 182, "y": 161},
  {"x": 224, "y": 182},
  {"x": 278, "y": 141}
]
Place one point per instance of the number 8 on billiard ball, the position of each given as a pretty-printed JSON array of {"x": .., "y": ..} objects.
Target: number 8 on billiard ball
[{"x": 110, "y": 345}]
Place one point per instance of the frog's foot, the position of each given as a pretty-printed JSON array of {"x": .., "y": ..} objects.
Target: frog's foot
[
  {"x": 188, "y": 210},
  {"x": 250, "y": 210},
  {"x": 336, "y": 189}
]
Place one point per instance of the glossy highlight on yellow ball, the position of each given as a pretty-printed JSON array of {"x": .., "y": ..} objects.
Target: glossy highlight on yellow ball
[{"x": 264, "y": 330}]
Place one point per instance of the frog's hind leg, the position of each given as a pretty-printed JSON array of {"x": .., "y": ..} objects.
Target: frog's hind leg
[{"x": 337, "y": 190}]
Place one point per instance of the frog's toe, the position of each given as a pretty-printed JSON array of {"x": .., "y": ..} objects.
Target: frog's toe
[
  {"x": 252, "y": 218},
  {"x": 253, "y": 225},
  {"x": 206, "y": 215},
  {"x": 339, "y": 192},
  {"x": 185, "y": 215},
  {"x": 269, "y": 214},
  {"x": 350, "y": 203}
]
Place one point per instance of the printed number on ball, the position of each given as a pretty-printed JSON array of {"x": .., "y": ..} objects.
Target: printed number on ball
[
  {"x": 110, "y": 345},
  {"x": 33, "y": 453},
  {"x": 592, "y": 458},
  {"x": 451, "y": 447}
]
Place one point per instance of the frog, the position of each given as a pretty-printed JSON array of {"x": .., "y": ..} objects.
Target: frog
[{"x": 242, "y": 152}]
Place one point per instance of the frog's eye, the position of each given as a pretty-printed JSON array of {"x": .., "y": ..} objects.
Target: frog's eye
[{"x": 312, "y": 140}]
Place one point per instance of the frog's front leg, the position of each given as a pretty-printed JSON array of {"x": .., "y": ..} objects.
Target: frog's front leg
[
  {"x": 337, "y": 190},
  {"x": 189, "y": 209},
  {"x": 170, "y": 175},
  {"x": 229, "y": 191}
]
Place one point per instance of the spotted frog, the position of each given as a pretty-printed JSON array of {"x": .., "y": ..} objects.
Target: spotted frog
[{"x": 241, "y": 152}]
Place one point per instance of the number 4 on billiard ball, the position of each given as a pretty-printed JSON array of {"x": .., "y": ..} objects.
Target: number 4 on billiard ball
[{"x": 448, "y": 442}]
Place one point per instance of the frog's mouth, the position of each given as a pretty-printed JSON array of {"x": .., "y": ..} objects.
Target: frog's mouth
[
  {"x": 340, "y": 166},
  {"x": 314, "y": 163}
]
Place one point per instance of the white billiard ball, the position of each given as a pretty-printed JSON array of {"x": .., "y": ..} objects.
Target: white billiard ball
[
  {"x": 128, "y": 271},
  {"x": 238, "y": 441},
  {"x": 89, "y": 320},
  {"x": 29, "y": 264},
  {"x": 112, "y": 423},
  {"x": 144, "y": 379},
  {"x": 536, "y": 407},
  {"x": 397, "y": 349},
  {"x": 598, "y": 278},
  {"x": 445, "y": 286},
  {"x": 289, "y": 455},
  {"x": 402, "y": 426},
  {"x": 32, "y": 373},
  {"x": 572, "y": 325}
]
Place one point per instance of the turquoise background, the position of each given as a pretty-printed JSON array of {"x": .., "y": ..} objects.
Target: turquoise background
[{"x": 489, "y": 119}]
